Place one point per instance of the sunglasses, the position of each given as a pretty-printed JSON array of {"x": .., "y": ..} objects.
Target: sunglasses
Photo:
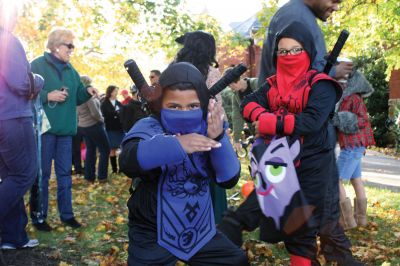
[{"x": 69, "y": 45}]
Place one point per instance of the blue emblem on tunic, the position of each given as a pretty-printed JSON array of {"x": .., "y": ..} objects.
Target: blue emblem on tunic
[{"x": 185, "y": 215}]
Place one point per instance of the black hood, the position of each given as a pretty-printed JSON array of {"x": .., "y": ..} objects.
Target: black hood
[
  {"x": 184, "y": 72},
  {"x": 298, "y": 31}
]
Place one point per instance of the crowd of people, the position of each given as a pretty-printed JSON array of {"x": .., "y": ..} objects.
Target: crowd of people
[{"x": 178, "y": 149}]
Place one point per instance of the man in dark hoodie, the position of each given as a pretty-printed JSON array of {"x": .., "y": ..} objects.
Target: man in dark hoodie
[{"x": 306, "y": 11}]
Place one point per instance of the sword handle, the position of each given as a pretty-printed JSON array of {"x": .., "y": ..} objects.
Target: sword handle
[{"x": 331, "y": 61}]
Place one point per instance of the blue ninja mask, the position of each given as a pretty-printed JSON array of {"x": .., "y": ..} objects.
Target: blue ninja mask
[{"x": 183, "y": 122}]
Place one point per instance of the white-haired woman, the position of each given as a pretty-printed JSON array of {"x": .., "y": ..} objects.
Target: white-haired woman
[{"x": 62, "y": 92}]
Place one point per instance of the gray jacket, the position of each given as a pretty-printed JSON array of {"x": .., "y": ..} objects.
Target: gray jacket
[
  {"x": 346, "y": 121},
  {"x": 89, "y": 113}
]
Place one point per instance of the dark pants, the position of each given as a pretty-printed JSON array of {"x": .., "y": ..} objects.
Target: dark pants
[
  {"x": 219, "y": 201},
  {"x": 76, "y": 151},
  {"x": 18, "y": 170},
  {"x": 321, "y": 190},
  {"x": 96, "y": 137},
  {"x": 144, "y": 250},
  {"x": 59, "y": 149}
]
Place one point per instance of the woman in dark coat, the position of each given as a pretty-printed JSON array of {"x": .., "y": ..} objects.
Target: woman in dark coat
[
  {"x": 199, "y": 49},
  {"x": 111, "y": 108}
]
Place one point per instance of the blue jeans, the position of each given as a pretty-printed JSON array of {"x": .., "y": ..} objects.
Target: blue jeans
[
  {"x": 349, "y": 162},
  {"x": 96, "y": 137},
  {"x": 18, "y": 170},
  {"x": 59, "y": 149}
]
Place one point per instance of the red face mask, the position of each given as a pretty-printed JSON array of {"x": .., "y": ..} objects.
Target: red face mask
[{"x": 289, "y": 69}]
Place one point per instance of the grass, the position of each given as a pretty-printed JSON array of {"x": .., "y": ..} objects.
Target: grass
[
  {"x": 101, "y": 208},
  {"x": 103, "y": 238}
]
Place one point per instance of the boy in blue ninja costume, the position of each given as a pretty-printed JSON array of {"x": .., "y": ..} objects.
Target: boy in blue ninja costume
[{"x": 173, "y": 155}]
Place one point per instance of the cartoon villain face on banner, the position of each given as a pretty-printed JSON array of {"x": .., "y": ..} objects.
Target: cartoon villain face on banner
[{"x": 275, "y": 176}]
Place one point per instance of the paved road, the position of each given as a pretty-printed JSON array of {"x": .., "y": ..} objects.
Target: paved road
[{"x": 381, "y": 170}]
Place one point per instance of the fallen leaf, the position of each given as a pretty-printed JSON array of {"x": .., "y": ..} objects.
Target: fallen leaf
[
  {"x": 81, "y": 235},
  {"x": 250, "y": 255},
  {"x": 114, "y": 250},
  {"x": 55, "y": 254},
  {"x": 69, "y": 240},
  {"x": 120, "y": 220},
  {"x": 62, "y": 263},
  {"x": 100, "y": 228},
  {"x": 111, "y": 199},
  {"x": 263, "y": 249}
]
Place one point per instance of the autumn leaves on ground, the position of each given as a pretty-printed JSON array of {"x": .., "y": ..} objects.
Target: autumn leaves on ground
[{"x": 103, "y": 238}]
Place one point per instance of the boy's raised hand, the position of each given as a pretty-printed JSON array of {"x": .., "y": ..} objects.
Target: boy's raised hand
[
  {"x": 215, "y": 119},
  {"x": 197, "y": 143}
]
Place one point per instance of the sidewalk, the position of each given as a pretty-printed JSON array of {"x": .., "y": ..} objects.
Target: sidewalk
[{"x": 380, "y": 170}]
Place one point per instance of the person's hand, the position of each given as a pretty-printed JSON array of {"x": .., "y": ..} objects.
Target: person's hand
[
  {"x": 57, "y": 96},
  {"x": 215, "y": 119},
  {"x": 92, "y": 91},
  {"x": 343, "y": 69},
  {"x": 237, "y": 146},
  {"x": 197, "y": 143}
]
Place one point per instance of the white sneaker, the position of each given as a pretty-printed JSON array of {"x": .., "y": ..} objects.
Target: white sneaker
[{"x": 30, "y": 244}]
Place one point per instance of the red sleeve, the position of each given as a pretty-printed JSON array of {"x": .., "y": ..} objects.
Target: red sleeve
[
  {"x": 267, "y": 124},
  {"x": 252, "y": 111},
  {"x": 288, "y": 123}
]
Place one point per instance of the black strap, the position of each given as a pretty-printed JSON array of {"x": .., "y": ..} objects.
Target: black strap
[{"x": 279, "y": 125}]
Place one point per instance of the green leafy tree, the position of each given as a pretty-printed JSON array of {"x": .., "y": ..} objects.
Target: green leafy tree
[
  {"x": 264, "y": 16},
  {"x": 109, "y": 31},
  {"x": 372, "y": 24}
]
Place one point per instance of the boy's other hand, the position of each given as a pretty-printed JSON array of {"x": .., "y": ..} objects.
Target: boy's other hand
[
  {"x": 197, "y": 143},
  {"x": 215, "y": 119}
]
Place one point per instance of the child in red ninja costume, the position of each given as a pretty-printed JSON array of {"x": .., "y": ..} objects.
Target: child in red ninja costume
[{"x": 298, "y": 102}]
